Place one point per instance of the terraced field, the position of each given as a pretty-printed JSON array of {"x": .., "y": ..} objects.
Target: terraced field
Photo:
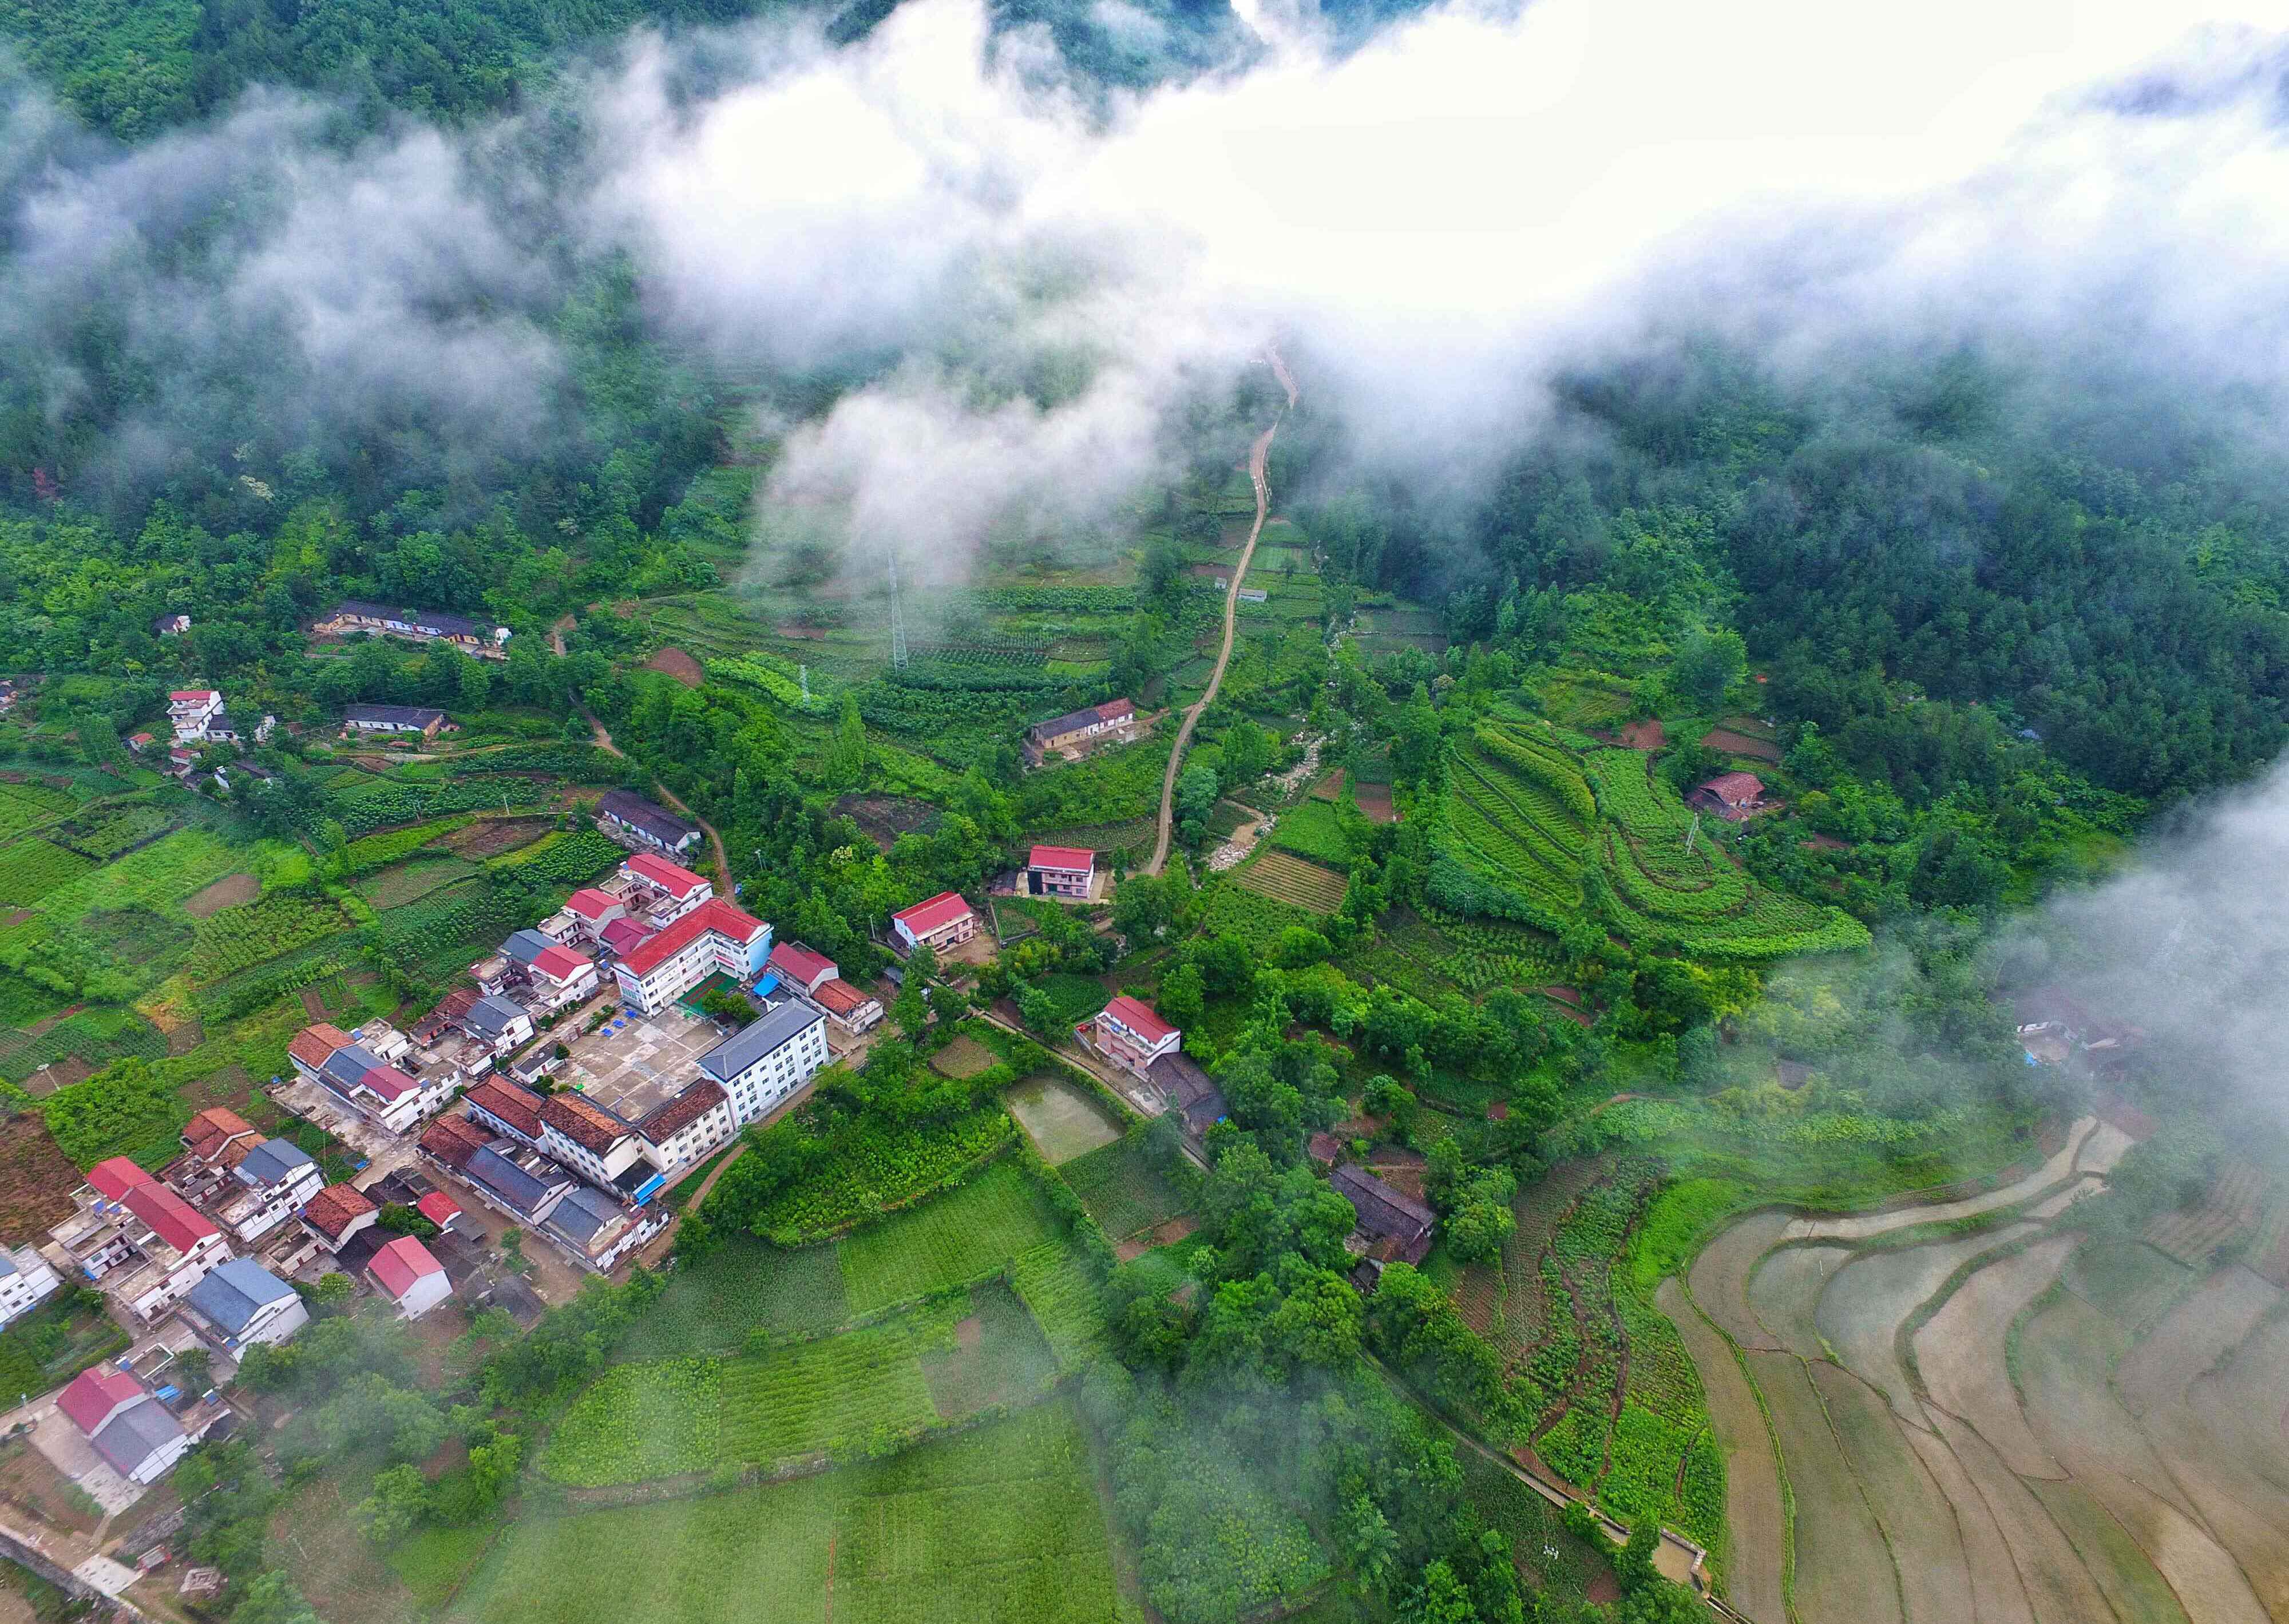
[
  {"x": 2009, "y": 1422},
  {"x": 1530, "y": 813}
]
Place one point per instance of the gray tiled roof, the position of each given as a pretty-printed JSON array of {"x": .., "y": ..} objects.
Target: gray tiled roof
[
  {"x": 131, "y": 1437},
  {"x": 232, "y": 1293},
  {"x": 752, "y": 1042},
  {"x": 493, "y": 1016},
  {"x": 273, "y": 1162}
]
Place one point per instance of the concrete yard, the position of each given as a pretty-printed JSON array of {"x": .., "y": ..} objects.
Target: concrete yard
[{"x": 647, "y": 1062}]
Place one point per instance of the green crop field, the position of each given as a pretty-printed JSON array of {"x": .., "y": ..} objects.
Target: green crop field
[
  {"x": 1283, "y": 877},
  {"x": 1062, "y": 1296},
  {"x": 1226, "y": 909},
  {"x": 31, "y": 869},
  {"x": 26, "y": 806},
  {"x": 1000, "y": 1525},
  {"x": 1314, "y": 831},
  {"x": 1121, "y": 1188},
  {"x": 959, "y": 1236},
  {"x": 663, "y": 1417},
  {"x": 237, "y": 938},
  {"x": 742, "y": 1287},
  {"x": 877, "y": 1165}
]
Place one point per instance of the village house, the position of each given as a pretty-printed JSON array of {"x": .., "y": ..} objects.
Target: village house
[
  {"x": 1191, "y": 1092},
  {"x": 270, "y": 1181},
  {"x": 190, "y": 710},
  {"x": 498, "y": 1024},
  {"x": 597, "y": 1231},
  {"x": 715, "y": 938},
  {"x": 337, "y": 1214},
  {"x": 409, "y": 1276},
  {"x": 240, "y": 1304},
  {"x": 217, "y": 1137},
  {"x": 137, "y": 1239},
  {"x": 597, "y": 1144},
  {"x": 350, "y": 1072},
  {"x": 590, "y": 910},
  {"x": 849, "y": 1008},
  {"x": 1392, "y": 1227},
  {"x": 507, "y": 1109},
  {"x": 1060, "y": 871},
  {"x": 1115, "y": 717},
  {"x": 450, "y": 1141},
  {"x": 763, "y": 1065},
  {"x": 133, "y": 1431},
  {"x": 1734, "y": 797},
  {"x": 560, "y": 977},
  {"x": 799, "y": 968},
  {"x": 353, "y": 615},
  {"x": 681, "y": 1130},
  {"x": 1130, "y": 1033},
  {"x": 394, "y": 719},
  {"x": 171, "y": 626},
  {"x": 439, "y": 1209},
  {"x": 940, "y": 922},
  {"x": 519, "y": 1182},
  {"x": 657, "y": 892},
  {"x": 27, "y": 1280},
  {"x": 632, "y": 820}
]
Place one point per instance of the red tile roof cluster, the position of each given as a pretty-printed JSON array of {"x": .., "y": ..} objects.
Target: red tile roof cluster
[
  {"x": 1140, "y": 1017},
  {"x": 438, "y": 1207},
  {"x": 715, "y": 914},
  {"x": 1736, "y": 789},
  {"x": 453, "y": 1140},
  {"x": 398, "y": 1265},
  {"x": 584, "y": 1122},
  {"x": 1073, "y": 857},
  {"x": 520, "y": 1108},
  {"x": 313, "y": 1044},
  {"x": 591, "y": 904},
  {"x": 195, "y": 695},
  {"x": 623, "y": 936},
  {"x": 797, "y": 962},
  {"x": 213, "y": 1129},
  {"x": 932, "y": 915},
  {"x": 95, "y": 1393},
  {"x": 388, "y": 1082},
  {"x": 1117, "y": 710},
  {"x": 673, "y": 878},
  {"x": 115, "y": 1175},
  {"x": 838, "y": 997},
  {"x": 173, "y": 1219},
  {"x": 559, "y": 963},
  {"x": 333, "y": 1209}
]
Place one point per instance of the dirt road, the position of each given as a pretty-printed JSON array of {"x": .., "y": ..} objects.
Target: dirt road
[{"x": 1258, "y": 455}]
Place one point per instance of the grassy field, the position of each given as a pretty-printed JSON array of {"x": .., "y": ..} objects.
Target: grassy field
[
  {"x": 998, "y": 1525},
  {"x": 954, "y": 1237},
  {"x": 743, "y": 1286},
  {"x": 1058, "y": 1288}
]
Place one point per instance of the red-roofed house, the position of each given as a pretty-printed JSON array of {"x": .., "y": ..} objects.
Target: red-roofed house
[
  {"x": 339, "y": 1212},
  {"x": 1060, "y": 871},
  {"x": 413, "y": 1279},
  {"x": 561, "y": 976},
  {"x": 190, "y": 710},
  {"x": 453, "y": 1140},
  {"x": 115, "y": 1175},
  {"x": 96, "y": 1394},
  {"x": 593, "y": 909},
  {"x": 713, "y": 938},
  {"x": 1733, "y": 797},
  {"x": 1131, "y": 1032},
  {"x": 439, "y": 1208},
  {"x": 801, "y": 968},
  {"x": 851, "y": 1009},
  {"x": 217, "y": 1130},
  {"x": 943, "y": 921},
  {"x": 682, "y": 889},
  {"x": 623, "y": 936},
  {"x": 314, "y": 1045},
  {"x": 507, "y": 1109}
]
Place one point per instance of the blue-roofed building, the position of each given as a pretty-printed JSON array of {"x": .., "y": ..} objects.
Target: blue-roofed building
[
  {"x": 497, "y": 1024},
  {"x": 240, "y": 1303},
  {"x": 598, "y": 1231},
  {"x": 526, "y": 945},
  {"x": 522, "y": 1184},
  {"x": 766, "y": 1062},
  {"x": 273, "y": 1180}
]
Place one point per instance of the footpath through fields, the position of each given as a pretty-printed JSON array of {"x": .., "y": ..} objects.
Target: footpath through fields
[{"x": 1258, "y": 455}]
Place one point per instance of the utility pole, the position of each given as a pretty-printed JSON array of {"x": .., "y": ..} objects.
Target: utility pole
[
  {"x": 897, "y": 618},
  {"x": 1691, "y": 833}
]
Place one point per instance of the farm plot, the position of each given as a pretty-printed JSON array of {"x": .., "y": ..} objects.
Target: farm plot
[
  {"x": 1756, "y": 1529},
  {"x": 2055, "y": 1170},
  {"x": 1063, "y": 1122},
  {"x": 1287, "y": 879},
  {"x": 231, "y": 891},
  {"x": 1844, "y": 1571},
  {"x": 1059, "y": 1290},
  {"x": 1917, "y": 1521},
  {"x": 1313, "y": 830},
  {"x": 741, "y": 1288},
  {"x": 25, "y": 806},
  {"x": 1122, "y": 1188},
  {"x": 959, "y": 1236},
  {"x": 31, "y": 869},
  {"x": 1959, "y": 1351},
  {"x": 407, "y": 882},
  {"x": 158, "y": 877},
  {"x": 996, "y": 1355},
  {"x": 997, "y": 1526},
  {"x": 36, "y": 1178},
  {"x": 1784, "y": 1289},
  {"x": 1872, "y": 1296},
  {"x": 1720, "y": 1275},
  {"x": 237, "y": 938},
  {"x": 1227, "y": 909}
]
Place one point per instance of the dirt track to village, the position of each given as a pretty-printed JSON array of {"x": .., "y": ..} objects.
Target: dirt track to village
[{"x": 1257, "y": 455}]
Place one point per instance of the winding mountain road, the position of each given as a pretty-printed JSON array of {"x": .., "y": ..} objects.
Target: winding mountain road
[{"x": 1257, "y": 455}]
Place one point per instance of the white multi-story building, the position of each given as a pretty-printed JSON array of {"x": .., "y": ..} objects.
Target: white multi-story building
[
  {"x": 598, "y": 1145},
  {"x": 25, "y": 1281},
  {"x": 666, "y": 891},
  {"x": 349, "y": 1070},
  {"x": 760, "y": 1067},
  {"x": 139, "y": 1241},
  {"x": 190, "y": 710},
  {"x": 241, "y": 1303},
  {"x": 714, "y": 938}
]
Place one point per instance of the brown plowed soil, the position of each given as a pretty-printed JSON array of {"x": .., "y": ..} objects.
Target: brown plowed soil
[
  {"x": 675, "y": 663},
  {"x": 228, "y": 892},
  {"x": 36, "y": 1178}
]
